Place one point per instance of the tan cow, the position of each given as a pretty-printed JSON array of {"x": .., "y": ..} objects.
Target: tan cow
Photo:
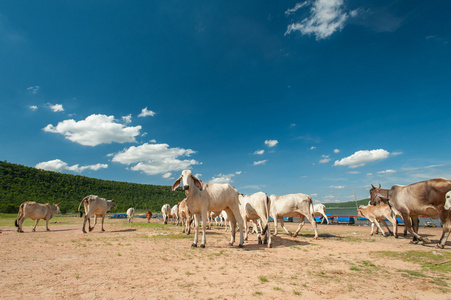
[
  {"x": 36, "y": 211},
  {"x": 203, "y": 197},
  {"x": 148, "y": 215},
  {"x": 379, "y": 213},
  {"x": 185, "y": 216},
  {"x": 96, "y": 206}
]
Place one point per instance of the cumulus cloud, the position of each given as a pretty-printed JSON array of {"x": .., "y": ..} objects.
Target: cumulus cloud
[
  {"x": 271, "y": 143},
  {"x": 59, "y": 166},
  {"x": 336, "y": 151},
  {"x": 154, "y": 159},
  {"x": 260, "y": 162},
  {"x": 145, "y": 113},
  {"x": 33, "y": 107},
  {"x": 56, "y": 107},
  {"x": 324, "y": 159},
  {"x": 127, "y": 119},
  {"x": 362, "y": 157},
  {"x": 224, "y": 178},
  {"x": 95, "y": 130},
  {"x": 326, "y": 17},
  {"x": 259, "y": 152}
]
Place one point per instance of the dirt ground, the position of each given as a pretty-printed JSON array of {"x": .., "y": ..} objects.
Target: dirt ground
[{"x": 155, "y": 261}]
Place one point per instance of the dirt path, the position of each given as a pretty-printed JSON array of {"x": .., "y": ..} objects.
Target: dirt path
[{"x": 153, "y": 261}]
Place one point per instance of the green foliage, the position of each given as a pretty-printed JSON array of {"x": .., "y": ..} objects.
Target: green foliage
[
  {"x": 20, "y": 183},
  {"x": 349, "y": 204},
  {"x": 439, "y": 261}
]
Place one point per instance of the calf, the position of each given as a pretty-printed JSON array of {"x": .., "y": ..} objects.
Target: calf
[
  {"x": 96, "y": 206},
  {"x": 256, "y": 207},
  {"x": 148, "y": 216},
  {"x": 36, "y": 211},
  {"x": 379, "y": 213},
  {"x": 165, "y": 211},
  {"x": 185, "y": 216}
]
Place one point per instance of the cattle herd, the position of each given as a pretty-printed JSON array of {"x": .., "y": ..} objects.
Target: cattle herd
[{"x": 222, "y": 202}]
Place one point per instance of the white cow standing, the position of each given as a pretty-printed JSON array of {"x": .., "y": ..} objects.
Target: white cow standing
[
  {"x": 94, "y": 205},
  {"x": 36, "y": 211},
  {"x": 175, "y": 214},
  {"x": 256, "y": 207},
  {"x": 292, "y": 205},
  {"x": 130, "y": 214},
  {"x": 320, "y": 209},
  {"x": 165, "y": 212},
  {"x": 203, "y": 197}
]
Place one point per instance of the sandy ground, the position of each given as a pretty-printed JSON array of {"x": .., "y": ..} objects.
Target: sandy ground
[{"x": 139, "y": 261}]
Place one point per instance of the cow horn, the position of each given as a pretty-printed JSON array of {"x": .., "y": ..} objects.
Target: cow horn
[{"x": 379, "y": 186}]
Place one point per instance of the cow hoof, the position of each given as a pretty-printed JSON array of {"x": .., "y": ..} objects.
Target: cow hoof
[
  {"x": 426, "y": 240},
  {"x": 84, "y": 231},
  {"x": 202, "y": 245},
  {"x": 440, "y": 246},
  {"x": 295, "y": 235},
  {"x": 240, "y": 246},
  {"x": 194, "y": 245},
  {"x": 230, "y": 244},
  {"x": 91, "y": 229},
  {"x": 259, "y": 241},
  {"x": 269, "y": 245},
  {"x": 396, "y": 236},
  {"x": 414, "y": 242},
  {"x": 386, "y": 234}
]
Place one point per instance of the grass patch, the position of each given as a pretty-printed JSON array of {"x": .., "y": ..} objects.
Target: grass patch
[
  {"x": 263, "y": 279},
  {"x": 432, "y": 260}
]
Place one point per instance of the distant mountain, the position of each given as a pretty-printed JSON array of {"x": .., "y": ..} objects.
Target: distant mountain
[{"x": 20, "y": 183}]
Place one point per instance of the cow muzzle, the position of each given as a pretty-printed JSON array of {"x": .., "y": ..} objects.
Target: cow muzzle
[{"x": 186, "y": 187}]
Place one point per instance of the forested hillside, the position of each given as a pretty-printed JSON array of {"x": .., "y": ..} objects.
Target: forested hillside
[{"x": 20, "y": 183}]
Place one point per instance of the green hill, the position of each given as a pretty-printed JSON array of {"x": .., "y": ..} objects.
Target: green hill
[
  {"x": 20, "y": 183},
  {"x": 349, "y": 204}
]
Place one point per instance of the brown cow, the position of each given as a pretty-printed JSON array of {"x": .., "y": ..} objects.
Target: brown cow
[
  {"x": 421, "y": 198},
  {"x": 148, "y": 215},
  {"x": 36, "y": 211},
  {"x": 96, "y": 206}
]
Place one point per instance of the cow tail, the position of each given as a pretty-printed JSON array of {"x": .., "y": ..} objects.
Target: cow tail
[
  {"x": 267, "y": 213},
  {"x": 311, "y": 209},
  {"x": 19, "y": 215},
  {"x": 81, "y": 213}
]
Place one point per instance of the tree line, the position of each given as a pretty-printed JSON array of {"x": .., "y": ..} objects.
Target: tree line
[{"x": 21, "y": 183}]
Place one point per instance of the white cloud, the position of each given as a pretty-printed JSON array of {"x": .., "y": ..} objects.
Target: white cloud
[
  {"x": 33, "y": 107},
  {"x": 145, "y": 113},
  {"x": 259, "y": 152},
  {"x": 336, "y": 151},
  {"x": 312, "y": 148},
  {"x": 338, "y": 187},
  {"x": 260, "y": 162},
  {"x": 362, "y": 157},
  {"x": 167, "y": 175},
  {"x": 56, "y": 107},
  {"x": 325, "y": 159},
  {"x": 296, "y": 7},
  {"x": 224, "y": 178},
  {"x": 326, "y": 17},
  {"x": 33, "y": 89},
  {"x": 271, "y": 143},
  {"x": 386, "y": 172},
  {"x": 95, "y": 130},
  {"x": 59, "y": 166},
  {"x": 154, "y": 159},
  {"x": 127, "y": 119}
]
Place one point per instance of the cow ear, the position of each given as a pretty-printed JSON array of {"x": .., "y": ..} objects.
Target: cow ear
[
  {"x": 176, "y": 183},
  {"x": 197, "y": 182}
]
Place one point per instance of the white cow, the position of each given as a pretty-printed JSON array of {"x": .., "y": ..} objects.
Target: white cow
[
  {"x": 448, "y": 200},
  {"x": 36, "y": 211},
  {"x": 292, "y": 205},
  {"x": 165, "y": 212},
  {"x": 130, "y": 214},
  {"x": 94, "y": 205},
  {"x": 185, "y": 216},
  {"x": 320, "y": 209},
  {"x": 256, "y": 207},
  {"x": 174, "y": 214},
  {"x": 224, "y": 219},
  {"x": 203, "y": 197}
]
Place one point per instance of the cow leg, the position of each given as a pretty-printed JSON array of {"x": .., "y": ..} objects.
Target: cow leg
[
  {"x": 196, "y": 228},
  {"x": 95, "y": 222},
  {"x": 325, "y": 217},
  {"x": 283, "y": 226},
  {"x": 35, "y": 224},
  {"x": 47, "y": 224},
  {"x": 275, "y": 225},
  {"x": 232, "y": 224},
  {"x": 84, "y": 223},
  {"x": 103, "y": 219},
  {"x": 379, "y": 226},
  {"x": 408, "y": 221},
  {"x": 266, "y": 230},
  {"x": 246, "y": 229},
  {"x": 446, "y": 223},
  {"x": 372, "y": 228},
  {"x": 301, "y": 224},
  {"x": 204, "y": 229},
  {"x": 19, "y": 224}
]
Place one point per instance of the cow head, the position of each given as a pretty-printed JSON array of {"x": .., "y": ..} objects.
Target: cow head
[
  {"x": 187, "y": 180},
  {"x": 374, "y": 191},
  {"x": 448, "y": 200},
  {"x": 58, "y": 211}
]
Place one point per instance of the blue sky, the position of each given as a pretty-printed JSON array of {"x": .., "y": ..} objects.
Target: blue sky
[{"x": 317, "y": 97}]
